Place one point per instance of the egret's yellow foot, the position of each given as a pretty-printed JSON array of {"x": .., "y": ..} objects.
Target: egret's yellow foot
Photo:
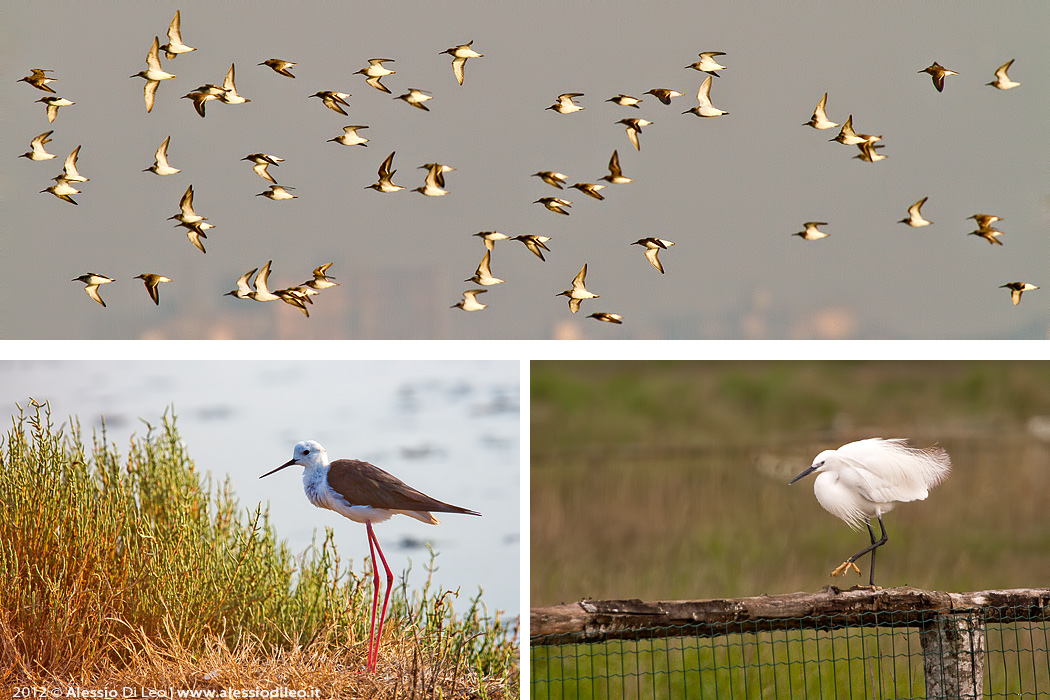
[{"x": 844, "y": 567}]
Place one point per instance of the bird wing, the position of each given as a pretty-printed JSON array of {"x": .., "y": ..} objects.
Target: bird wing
[
  {"x": 150, "y": 92},
  {"x": 580, "y": 278},
  {"x": 457, "y": 68},
  {"x": 152, "y": 59},
  {"x": 365, "y": 484},
  {"x": 227, "y": 83},
  {"x": 904, "y": 473},
  {"x": 703, "y": 95},
  {"x": 650, "y": 254}
]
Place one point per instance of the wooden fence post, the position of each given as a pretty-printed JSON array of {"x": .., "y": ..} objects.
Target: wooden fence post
[{"x": 953, "y": 656}]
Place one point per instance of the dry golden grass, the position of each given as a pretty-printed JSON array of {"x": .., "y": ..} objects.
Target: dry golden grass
[{"x": 408, "y": 667}]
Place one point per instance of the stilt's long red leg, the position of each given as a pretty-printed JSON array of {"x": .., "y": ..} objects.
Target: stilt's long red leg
[
  {"x": 375, "y": 600},
  {"x": 386, "y": 597}
]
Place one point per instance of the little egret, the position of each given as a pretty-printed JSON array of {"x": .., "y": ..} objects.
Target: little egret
[{"x": 868, "y": 478}]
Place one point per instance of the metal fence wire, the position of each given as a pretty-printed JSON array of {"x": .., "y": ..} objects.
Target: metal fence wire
[{"x": 990, "y": 652}]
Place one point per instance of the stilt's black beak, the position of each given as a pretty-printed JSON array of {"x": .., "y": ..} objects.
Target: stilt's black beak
[
  {"x": 286, "y": 464},
  {"x": 806, "y": 472}
]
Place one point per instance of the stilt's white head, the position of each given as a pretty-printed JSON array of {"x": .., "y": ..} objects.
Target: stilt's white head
[{"x": 307, "y": 453}]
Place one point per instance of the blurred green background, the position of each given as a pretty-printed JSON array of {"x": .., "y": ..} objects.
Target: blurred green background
[{"x": 668, "y": 480}]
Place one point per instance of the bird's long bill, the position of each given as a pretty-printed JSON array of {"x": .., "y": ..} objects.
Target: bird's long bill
[
  {"x": 286, "y": 464},
  {"x": 806, "y": 472}
]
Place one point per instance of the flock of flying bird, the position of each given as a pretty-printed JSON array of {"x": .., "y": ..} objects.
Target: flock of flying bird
[{"x": 299, "y": 296}]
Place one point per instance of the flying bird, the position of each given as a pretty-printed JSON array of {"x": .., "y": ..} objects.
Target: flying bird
[
  {"x": 634, "y": 127},
  {"x": 589, "y": 188},
  {"x": 175, "y": 46},
  {"x": 321, "y": 280},
  {"x": 262, "y": 162},
  {"x": 160, "y": 161},
  {"x": 989, "y": 234},
  {"x": 483, "y": 275},
  {"x": 938, "y": 73},
  {"x": 229, "y": 90},
  {"x": 244, "y": 289},
  {"x": 279, "y": 66},
  {"x": 37, "y": 150},
  {"x": 625, "y": 101},
  {"x": 869, "y": 152},
  {"x": 1002, "y": 80},
  {"x": 555, "y": 204},
  {"x": 202, "y": 95},
  {"x": 435, "y": 180},
  {"x": 811, "y": 233},
  {"x": 375, "y": 72},
  {"x": 565, "y": 105},
  {"x": 848, "y": 137},
  {"x": 53, "y": 103},
  {"x": 616, "y": 176},
  {"x": 707, "y": 62},
  {"x": 62, "y": 189},
  {"x": 578, "y": 292},
  {"x": 915, "y": 215},
  {"x": 39, "y": 79},
  {"x": 91, "y": 281},
  {"x": 534, "y": 243},
  {"x": 663, "y": 94},
  {"x": 278, "y": 192},
  {"x": 386, "y": 183},
  {"x": 552, "y": 178},
  {"x": 820, "y": 120},
  {"x": 153, "y": 74},
  {"x": 334, "y": 101},
  {"x": 460, "y": 54},
  {"x": 350, "y": 137},
  {"x": 652, "y": 247},
  {"x": 470, "y": 301},
  {"x": 985, "y": 220},
  {"x": 416, "y": 98},
  {"x": 867, "y": 478},
  {"x": 152, "y": 281},
  {"x": 186, "y": 214},
  {"x": 69, "y": 168},
  {"x": 705, "y": 108},
  {"x": 607, "y": 317},
  {"x": 490, "y": 238},
  {"x": 1017, "y": 289}
]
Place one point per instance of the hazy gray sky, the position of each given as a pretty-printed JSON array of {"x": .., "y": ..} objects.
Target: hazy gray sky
[{"x": 728, "y": 191}]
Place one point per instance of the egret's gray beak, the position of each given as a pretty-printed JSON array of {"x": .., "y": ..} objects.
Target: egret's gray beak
[
  {"x": 286, "y": 464},
  {"x": 807, "y": 472}
]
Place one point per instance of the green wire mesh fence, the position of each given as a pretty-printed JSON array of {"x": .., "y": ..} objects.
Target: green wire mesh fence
[{"x": 991, "y": 651}]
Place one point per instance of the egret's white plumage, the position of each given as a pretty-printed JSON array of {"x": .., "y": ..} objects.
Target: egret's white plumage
[{"x": 867, "y": 478}]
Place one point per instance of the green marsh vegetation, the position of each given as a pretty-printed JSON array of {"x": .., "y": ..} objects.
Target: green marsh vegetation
[
  {"x": 668, "y": 480},
  {"x": 137, "y": 570}
]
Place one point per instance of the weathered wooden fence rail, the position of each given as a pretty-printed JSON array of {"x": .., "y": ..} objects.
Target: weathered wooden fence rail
[
  {"x": 951, "y": 625},
  {"x": 594, "y": 620}
]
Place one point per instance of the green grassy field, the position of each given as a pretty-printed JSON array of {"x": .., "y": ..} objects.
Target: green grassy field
[{"x": 668, "y": 480}]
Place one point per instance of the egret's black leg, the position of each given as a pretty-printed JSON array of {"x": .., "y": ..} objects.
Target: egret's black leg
[{"x": 870, "y": 548}]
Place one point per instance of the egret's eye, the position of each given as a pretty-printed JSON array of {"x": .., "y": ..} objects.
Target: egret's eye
[
  {"x": 820, "y": 464},
  {"x": 306, "y": 452}
]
